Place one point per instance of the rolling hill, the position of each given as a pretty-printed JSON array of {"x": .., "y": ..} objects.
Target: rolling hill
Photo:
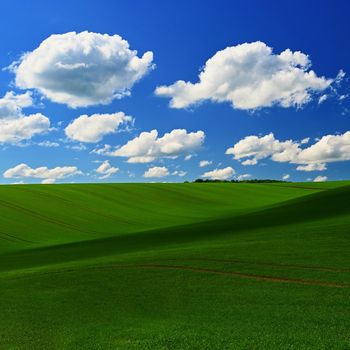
[{"x": 175, "y": 266}]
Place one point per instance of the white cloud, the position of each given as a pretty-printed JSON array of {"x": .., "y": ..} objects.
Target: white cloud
[
  {"x": 252, "y": 161},
  {"x": 244, "y": 177},
  {"x": 49, "y": 144},
  {"x": 82, "y": 69},
  {"x": 140, "y": 159},
  {"x": 76, "y": 147},
  {"x": 219, "y": 174},
  {"x": 180, "y": 173},
  {"x": 157, "y": 171},
  {"x": 312, "y": 167},
  {"x": 48, "y": 181},
  {"x": 188, "y": 157},
  {"x": 320, "y": 179},
  {"x": 285, "y": 177},
  {"x": 131, "y": 174},
  {"x": 322, "y": 99},
  {"x": 339, "y": 78},
  {"x": 12, "y": 104},
  {"x": 93, "y": 128},
  {"x": 204, "y": 163},
  {"x": 106, "y": 170},
  {"x": 329, "y": 148},
  {"x": 15, "y": 126},
  {"x": 22, "y": 171},
  {"x": 255, "y": 148},
  {"x": 148, "y": 147},
  {"x": 250, "y": 76}
]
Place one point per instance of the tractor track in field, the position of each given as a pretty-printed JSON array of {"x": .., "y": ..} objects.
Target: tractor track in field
[
  {"x": 45, "y": 218},
  {"x": 247, "y": 276},
  {"x": 77, "y": 205},
  {"x": 262, "y": 263},
  {"x": 6, "y": 237},
  {"x": 256, "y": 277},
  {"x": 12, "y": 238}
]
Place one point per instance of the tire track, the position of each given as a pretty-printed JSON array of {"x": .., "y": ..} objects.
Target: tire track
[
  {"x": 247, "y": 276},
  {"x": 13, "y": 238},
  {"x": 260, "y": 263},
  {"x": 75, "y": 204},
  {"x": 46, "y": 218},
  {"x": 256, "y": 277}
]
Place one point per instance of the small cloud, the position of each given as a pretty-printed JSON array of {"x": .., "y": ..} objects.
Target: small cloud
[
  {"x": 47, "y": 175},
  {"x": 320, "y": 179},
  {"x": 156, "y": 171},
  {"x": 305, "y": 140},
  {"x": 180, "y": 173},
  {"x": 106, "y": 170},
  {"x": 93, "y": 128},
  {"x": 48, "y": 181},
  {"x": 252, "y": 161},
  {"x": 244, "y": 177},
  {"x": 48, "y": 144},
  {"x": 312, "y": 167},
  {"x": 322, "y": 99},
  {"x": 15, "y": 126},
  {"x": 219, "y": 174},
  {"x": 204, "y": 163},
  {"x": 77, "y": 147}
]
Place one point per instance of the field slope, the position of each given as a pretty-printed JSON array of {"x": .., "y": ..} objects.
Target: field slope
[{"x": 175, "y": 266}]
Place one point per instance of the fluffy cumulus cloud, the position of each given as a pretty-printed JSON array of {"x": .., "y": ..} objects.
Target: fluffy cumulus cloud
[
  {"x": 148, "y": 147},
  {"x": 47, "y": 175},
  {"x": 204, "y": 163},
  {"x": 329, "y": 148},
  {"x": 106, "y": 170},
  {"x": 320, "y": 179},
  {"x": 219, "y": 174},
  {"x": 15, "y": 126},
  {"x": 250, "y": 76},
  {"x": 255, "y": 148},
  {"x": 82, "y": 69},
  {"x": 156, "y": 171},
  {"x": 286, "y": 177},
  {"x": 93, "y": 128}
]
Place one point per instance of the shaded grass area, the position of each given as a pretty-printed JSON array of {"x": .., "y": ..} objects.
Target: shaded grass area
[{"x": 228, "y": 272}]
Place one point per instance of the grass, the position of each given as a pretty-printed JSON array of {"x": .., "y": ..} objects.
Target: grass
[{"x": 175, "y": 266}]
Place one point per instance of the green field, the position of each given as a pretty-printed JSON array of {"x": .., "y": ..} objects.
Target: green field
[{"x": 175, "y": 266}]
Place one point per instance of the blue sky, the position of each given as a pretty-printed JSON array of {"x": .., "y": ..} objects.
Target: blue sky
[{"x": 238, "y": 97}]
